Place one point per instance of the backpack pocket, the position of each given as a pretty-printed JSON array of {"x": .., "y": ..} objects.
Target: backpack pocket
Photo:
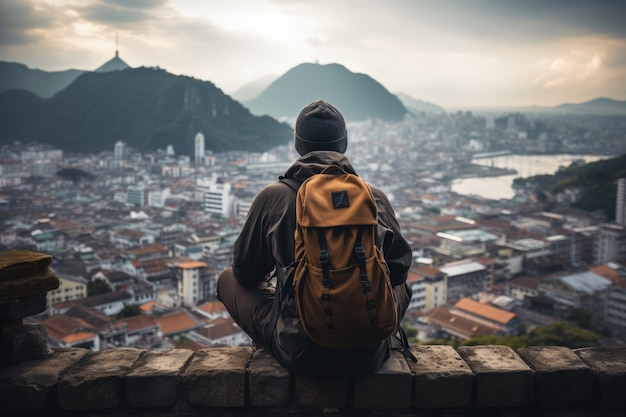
[{"x": 350, "y": 313}]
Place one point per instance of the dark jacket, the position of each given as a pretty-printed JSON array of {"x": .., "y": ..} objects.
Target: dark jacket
[{"x": 266, "y": 244}]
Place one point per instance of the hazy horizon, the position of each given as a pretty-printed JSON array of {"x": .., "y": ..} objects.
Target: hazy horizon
[{"x": 479, "y": 54}]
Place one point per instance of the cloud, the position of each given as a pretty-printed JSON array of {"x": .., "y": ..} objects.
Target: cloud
[{"x": 21, "y": 23}]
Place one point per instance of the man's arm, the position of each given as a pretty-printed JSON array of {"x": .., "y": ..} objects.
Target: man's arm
[
  {"x": 397, "y": 251},
  {"x": 252, "y": 255},
  {"x": 266, "y": 239}
]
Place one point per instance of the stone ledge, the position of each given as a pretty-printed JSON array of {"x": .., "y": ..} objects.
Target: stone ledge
[{"x": 477, "y": 380}]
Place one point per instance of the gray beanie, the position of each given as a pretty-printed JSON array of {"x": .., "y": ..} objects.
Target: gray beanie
[{"x": 320, "y": 127}]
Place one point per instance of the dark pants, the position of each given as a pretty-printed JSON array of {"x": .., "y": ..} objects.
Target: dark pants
[{"x": 251, "y": 308}]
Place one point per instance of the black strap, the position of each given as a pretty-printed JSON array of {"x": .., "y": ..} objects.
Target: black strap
[
  {"x": 279, "y": 298},
  {"x": 324, "y": 260},
  {"x": 406, "y": 350},
  {"x": 359, "y": 254},
  {"x": 292, "y": 183}
]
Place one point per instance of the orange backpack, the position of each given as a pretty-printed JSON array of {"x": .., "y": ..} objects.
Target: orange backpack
[{"x": 341, "y": 281}]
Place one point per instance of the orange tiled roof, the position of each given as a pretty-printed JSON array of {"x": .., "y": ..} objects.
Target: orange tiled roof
[
  {"x": 212, "y": 307},
  {"x": 606, "y": 272},
  {"x": 192, "y": 265},
  {"x": 176, "y": 323},
  {"x": 137, "y": 322},
  {"x": 459, "y": 325},
  {"x": 78, "y": 336},
  {"x": 485, "y": 310},
  {"x": 414, "y": 276}
]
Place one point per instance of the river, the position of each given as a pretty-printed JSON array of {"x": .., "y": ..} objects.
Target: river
[{"x": 496, "y": 188}]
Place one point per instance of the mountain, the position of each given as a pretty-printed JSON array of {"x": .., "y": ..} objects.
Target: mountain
[
  {"x": 419, "y": 106},
  {"x": 253, "y": 88},
  {"x": 42, "y": 83},
  {"x": 599, "y": 106},
  {"x": 147, "y": 108},
  {"x": 357, "y": 96}
]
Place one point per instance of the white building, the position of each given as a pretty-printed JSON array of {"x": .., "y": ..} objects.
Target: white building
[
  {"x": 157, "y": 198},
  {"x": 191, "y": 278},
  {"x": 199, "y": 149},
  {"x": 217, "y": 196},
  {"x": 620, "y": 203},
  {"x": 119, "y": 150}
]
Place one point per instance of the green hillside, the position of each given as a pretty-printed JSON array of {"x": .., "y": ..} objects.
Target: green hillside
[
  {"x": 597, "y": 182},
  {"x": 145, "y": 107}
]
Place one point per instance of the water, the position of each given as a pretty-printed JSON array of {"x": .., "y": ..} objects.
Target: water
[{"x": 496, "y": 188}]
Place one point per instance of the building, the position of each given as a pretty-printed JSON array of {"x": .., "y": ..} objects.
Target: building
[
  {"x": 71, "y": 287},
  {"x": 620, "y": 203},
  {"x": 417, "y": 283},
  {"x": 66, "y": 331},
  {"x": 220, "y": 331},
  {"x": 137, "y": 196},
  {"x": 435, "y": 286},
  {"x": 216, "y": 196},
  {"x": 615, "y": 308},
  {"x": 464, "y": 278},
  {"x": 609, "y": 243},
  {"x": 192, "y": 279},
  {"x": 119, "y": 150},
  {"x": 199, "y": 149}
]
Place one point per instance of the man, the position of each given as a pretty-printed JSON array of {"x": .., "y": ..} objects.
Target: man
[{"x": 266, "y": 245}]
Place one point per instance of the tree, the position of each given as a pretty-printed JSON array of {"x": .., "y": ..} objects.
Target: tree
[
  {"x": 562, "y": 333},
  {"x": 129, "y": 311},
  {"x": 581, "y": 317},
  {"x": 97, "y": 286}
]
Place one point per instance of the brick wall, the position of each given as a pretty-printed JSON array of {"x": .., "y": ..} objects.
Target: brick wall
[{"x": 469, "y": 381}]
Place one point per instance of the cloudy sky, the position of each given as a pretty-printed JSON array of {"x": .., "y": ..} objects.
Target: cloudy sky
[{"x": 456, "y": 53}]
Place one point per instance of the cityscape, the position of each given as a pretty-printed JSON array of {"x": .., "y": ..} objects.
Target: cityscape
[{"x": 139, "y": 239}]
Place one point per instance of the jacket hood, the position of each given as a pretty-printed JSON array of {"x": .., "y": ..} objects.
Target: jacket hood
[{"x": 314, "y": 162}]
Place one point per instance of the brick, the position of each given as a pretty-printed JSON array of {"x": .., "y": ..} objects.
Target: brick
[
  {"x": 18, "y": 263},
  {"x": 269, "y": 382},
  {"x": 322, "y": 393},
  {"x": 501, "y": 377},
  {"x": 154, "y": 379},
  {"x": 25, "y": 307},
  {"x": 442, "y": 378},
  {"x": 24, "y": 387},
  {"x": 216, "y": 377},
  {"x": 608, "y": 365},
  {"x": 28, "y": 341},
  {"x": 561, "y": 376},
  {"x": 29, "y": 286},
  {"x": 387, "y": 388},
  {"x": 95, "y": 383}
]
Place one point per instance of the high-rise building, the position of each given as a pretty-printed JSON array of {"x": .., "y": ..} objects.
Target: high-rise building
[
  {"x": 199, "y": 149},
  {"x": 119, "y": 150},
  {"x": 620, "y": 203},
  {"x": 192, "y": 279}
]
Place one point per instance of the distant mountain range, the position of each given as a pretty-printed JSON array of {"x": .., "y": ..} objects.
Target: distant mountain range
[
  {"x": 42, "y": 83},
  {"x": 358, "y": 96},
  {"x": 151, "y": 108},
  {"x": 419, "y": 106},
  {"x": 146, "y": 108},
  {"x": 598, "y": 106}
]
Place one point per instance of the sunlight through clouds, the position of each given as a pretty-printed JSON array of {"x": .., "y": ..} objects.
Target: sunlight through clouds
[{"x": 456, "y": 54}]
